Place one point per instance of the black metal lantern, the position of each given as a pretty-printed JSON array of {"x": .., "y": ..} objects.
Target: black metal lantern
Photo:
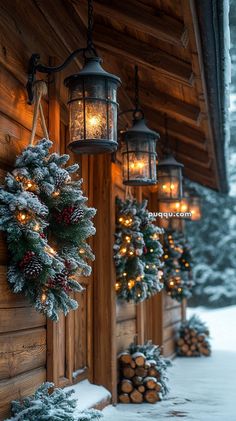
[
  {"x": 92, "y": 99},
  {"x": 93, "y": 109},
  {"x": 139, "y": 154},
  {"x": 139, "y": 148},
  {"x": 170, "y": 179}
]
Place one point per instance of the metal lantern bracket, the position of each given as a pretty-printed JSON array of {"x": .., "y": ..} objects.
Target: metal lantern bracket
[{"x": 35, "y": 66}]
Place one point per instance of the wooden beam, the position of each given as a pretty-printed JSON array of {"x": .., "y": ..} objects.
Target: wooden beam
[
  {"x": 198, "y": 177},
  {"x": 191, "y": 20},
  {"x": 143, "y": 54},
  {"x": 160, "y": 26},
  {"x": 189, "y": 161},
  {"x": 187, "y": 134},
  {"x": 173, "y": 107}
]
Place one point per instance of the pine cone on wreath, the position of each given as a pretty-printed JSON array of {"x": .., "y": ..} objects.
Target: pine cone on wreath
[
  {"x": 61, "y": 178},
  {"x": 76, "y": 215},
  {"x": 31, "y": 265}
]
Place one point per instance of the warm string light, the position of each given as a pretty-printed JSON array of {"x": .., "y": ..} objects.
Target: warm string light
[
  {"x": 23, "y": 217},
  {"x": 50, "y": 250},
  {"x": 43, "y": 297},
  {"x": 56, "y": 194},
  {"x": 125, "y": 221},
  {"x": 117, "y": 286}
]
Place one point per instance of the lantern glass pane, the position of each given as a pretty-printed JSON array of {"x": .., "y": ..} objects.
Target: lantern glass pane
[
  {"x": 95, "y": 119},
  {"x": 95, "y": 88},
  {"x": 139, "y": 160},
  {"x": 170, "y": 183},
  {"x": 76, "y": 92},
  {"x": 112, "y": 121},
  {"x": 112, "y": 91},
  {"x": 76, "y": 112}
]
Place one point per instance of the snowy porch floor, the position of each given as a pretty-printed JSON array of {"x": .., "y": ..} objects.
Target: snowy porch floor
[{"x": 202, "y": 389}]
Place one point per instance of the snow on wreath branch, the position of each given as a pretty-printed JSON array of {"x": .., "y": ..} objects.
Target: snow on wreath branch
[
  {"x": 41, "y": 204},
  {"x": 46, "y": 406}
]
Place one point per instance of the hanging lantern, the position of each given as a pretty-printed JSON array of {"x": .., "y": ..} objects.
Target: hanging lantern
[
  {"x": 195, "y": 207},
  {"x": 92, "y": 98},
  {"x": 139, "y": 154},
  {"x": 93, "y": 109},
  {"x": 170, "y": 179},
  {"x": 139, "y": 148}
]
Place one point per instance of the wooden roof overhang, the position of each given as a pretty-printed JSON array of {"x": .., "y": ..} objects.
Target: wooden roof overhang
[{"x": 177, "y": 47}]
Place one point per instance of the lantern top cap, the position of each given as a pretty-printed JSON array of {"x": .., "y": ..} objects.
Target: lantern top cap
[
  {"x": 139, "y": 126},
  {"x": 92, "y": 67},
  {"x": 170, "y": 161}
]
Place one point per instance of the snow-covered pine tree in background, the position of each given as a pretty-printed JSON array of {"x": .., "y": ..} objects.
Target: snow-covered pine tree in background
[
  {"x": 213, "y": 237},
  {"x": 211, "y": 240},
  {"x": 134, "y": 280},
  {"x": 55, "y": 406},
  {"x": 46, "y": 220}
]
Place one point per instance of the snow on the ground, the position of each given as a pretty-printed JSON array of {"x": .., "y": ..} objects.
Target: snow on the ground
[
  {"x": 222, "y": 325},
  {"x": 202, "y": 389},
  {"x": 88, "y": 394}
]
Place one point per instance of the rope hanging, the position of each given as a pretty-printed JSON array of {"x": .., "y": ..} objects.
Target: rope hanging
[
  {"x": 128, "y": 192},
  {"x": 40, "y": 90}
]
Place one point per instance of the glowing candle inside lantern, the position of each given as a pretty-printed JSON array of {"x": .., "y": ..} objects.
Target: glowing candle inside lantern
[{"x": 169, "y": 189}]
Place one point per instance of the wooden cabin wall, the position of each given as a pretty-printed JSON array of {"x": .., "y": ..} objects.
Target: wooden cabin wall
[{"x": 22, "y": 330}]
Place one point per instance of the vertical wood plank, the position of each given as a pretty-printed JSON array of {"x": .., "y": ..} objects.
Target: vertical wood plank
[
  {"x": 54, "y": 134},
  {"x": 105, "y": 364},
  {"x": 141, "y": 319}
]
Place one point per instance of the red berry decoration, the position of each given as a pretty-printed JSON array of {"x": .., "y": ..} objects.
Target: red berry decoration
[{"x": 145, "y": 250}]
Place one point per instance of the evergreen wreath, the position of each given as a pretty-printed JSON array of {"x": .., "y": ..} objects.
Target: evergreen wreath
[
  {"x": 177, "y": 266},
  {"x": 47, "y": 222},
  {"x": 137, "y": 252},
  {"x": 46, "y": 406}
]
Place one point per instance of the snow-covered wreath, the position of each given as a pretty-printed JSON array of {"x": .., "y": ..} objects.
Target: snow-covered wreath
[{"x": 47, "y": 222}]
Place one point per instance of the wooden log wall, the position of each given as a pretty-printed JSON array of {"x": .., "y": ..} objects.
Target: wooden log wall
[{"x": 22, "y": 330}]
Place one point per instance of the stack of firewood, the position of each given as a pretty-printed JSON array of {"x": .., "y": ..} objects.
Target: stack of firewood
[
  {"x": 141, "y": 376},
  {"x": 193, "y": 339}
]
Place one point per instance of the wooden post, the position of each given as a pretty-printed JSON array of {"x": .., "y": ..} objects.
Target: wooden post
[
  {"x": 141, "y": 306},
  {"x": 105, "y": 364},
  {"x": 54, "y": 134}
]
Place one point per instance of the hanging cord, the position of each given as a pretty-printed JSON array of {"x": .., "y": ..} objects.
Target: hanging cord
[
  {"x": 128, "y": 192},
  {"x": 136, "y": 89},
  {"x": 40, "y": 90},
  {"x": 167, "y": 143},
  {"x": 90, "y": 45}
]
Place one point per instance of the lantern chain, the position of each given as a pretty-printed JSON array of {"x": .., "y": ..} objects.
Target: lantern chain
[
  {"x": 90, "y": 44},
  {"x": 136, "y": 89}
]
